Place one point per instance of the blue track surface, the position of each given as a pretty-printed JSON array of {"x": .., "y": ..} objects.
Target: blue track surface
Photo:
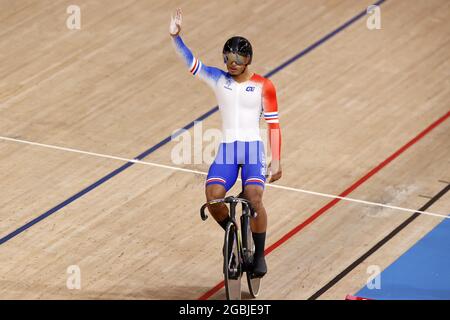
[{"x": 422, "y": 273}]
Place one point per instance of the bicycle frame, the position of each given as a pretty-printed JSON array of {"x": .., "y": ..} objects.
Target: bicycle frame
[{"x": 245, "y": 254}]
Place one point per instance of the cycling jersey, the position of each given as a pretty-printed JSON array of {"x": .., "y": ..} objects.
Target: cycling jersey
[{"x": 240, "y": 104}]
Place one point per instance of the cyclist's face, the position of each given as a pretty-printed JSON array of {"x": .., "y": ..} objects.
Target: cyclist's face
[
  {"x": 234, "y": 69},
  {"x": 235, "y": 63}
]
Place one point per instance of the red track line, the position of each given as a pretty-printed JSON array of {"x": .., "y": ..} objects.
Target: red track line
[{"x": 330, "y": 204}]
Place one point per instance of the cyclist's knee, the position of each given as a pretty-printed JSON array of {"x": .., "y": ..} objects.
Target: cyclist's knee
[
  {"x": 255, "y": 199},
  {"x": 214, "y": 191},
  {"x": 257, "y": 204}
]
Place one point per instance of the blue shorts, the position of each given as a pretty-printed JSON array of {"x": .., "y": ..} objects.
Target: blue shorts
[{"x": 247, "y": 155}]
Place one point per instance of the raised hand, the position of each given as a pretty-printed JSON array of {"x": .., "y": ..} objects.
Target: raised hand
[{"x": 175, "y": 23}]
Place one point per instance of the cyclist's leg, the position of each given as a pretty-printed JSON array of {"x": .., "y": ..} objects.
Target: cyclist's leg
[
  {"x": 221, "y": 177},
  {"x": 253, "y": 180},
  {"x": 219, "y": 210},
  {"x": 254, "y": 194},
  {"x": 258, "y": 225}
]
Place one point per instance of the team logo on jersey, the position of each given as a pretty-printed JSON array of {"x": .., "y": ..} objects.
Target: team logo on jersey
[{"x": 250, "y": 89}]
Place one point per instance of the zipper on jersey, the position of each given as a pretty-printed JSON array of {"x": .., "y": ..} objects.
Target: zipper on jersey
[{"x": 236, "y": 110}]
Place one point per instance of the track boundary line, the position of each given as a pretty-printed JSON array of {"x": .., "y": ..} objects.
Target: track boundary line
[{"x": 276, "y": 186}]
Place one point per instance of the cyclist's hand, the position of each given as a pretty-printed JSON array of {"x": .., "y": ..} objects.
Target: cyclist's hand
[
  {"x": 275, "y": 171},
  {"x": 175, "y": 23}
]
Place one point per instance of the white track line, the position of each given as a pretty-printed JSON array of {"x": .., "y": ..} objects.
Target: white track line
[
  {"x": 360, "y": 201},
  {"x": 204, "y": 173},
  {"x": 100, "y": 155}
]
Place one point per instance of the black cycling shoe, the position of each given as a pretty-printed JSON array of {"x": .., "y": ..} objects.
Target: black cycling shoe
[{"x": 259, "y": 267}]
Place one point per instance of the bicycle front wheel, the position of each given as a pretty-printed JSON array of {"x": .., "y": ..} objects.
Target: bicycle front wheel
[{"x": 232, "y": 266}]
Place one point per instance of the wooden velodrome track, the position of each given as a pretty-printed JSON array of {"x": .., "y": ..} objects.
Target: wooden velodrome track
[{"x": 116, "y": 87}]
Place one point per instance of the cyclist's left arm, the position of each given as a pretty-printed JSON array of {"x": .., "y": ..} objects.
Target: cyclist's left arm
[{"x": 270, "y": 106}]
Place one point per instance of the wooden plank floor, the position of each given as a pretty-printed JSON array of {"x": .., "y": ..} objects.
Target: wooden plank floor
[{"x": 116, "y": 87}]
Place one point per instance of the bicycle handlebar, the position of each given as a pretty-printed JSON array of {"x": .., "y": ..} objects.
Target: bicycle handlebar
[{"x": 230, "y": 200}]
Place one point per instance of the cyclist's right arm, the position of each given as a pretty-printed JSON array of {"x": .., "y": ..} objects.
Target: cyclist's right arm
[{"x": 208, "y": 74}]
